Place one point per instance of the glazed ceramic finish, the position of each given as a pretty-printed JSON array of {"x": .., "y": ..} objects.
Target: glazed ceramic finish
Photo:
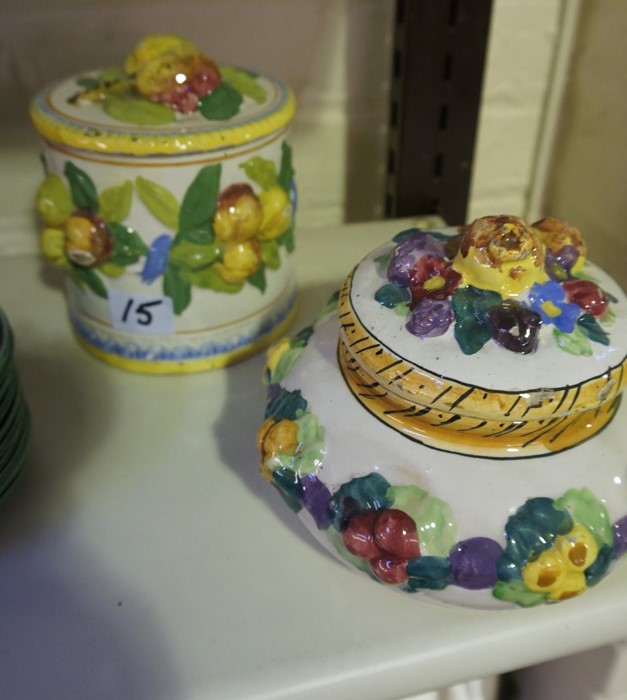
[
  {"x": 495, "y": 402},
  {"x": 172, "y": 213},
  {"x": 168, "y": 98},
  {"x": 438, "y": 517},
  {"x": 491, "y": 368},
  {"x": 531, "y": 362}
]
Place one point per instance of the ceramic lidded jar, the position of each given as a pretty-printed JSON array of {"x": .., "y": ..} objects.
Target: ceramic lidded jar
[
  {"x": 169, "y": 200},
  {"x": 450, "y": 424}
]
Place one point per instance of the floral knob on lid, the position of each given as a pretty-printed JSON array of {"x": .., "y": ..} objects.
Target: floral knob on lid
[
  {"x": 169, "y": 200},
  {"x": 453, "y": 425},
  {"x": 502, "y": 254}
]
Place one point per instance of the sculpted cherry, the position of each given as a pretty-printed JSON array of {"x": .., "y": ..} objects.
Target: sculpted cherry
[{"x": 587, "y": 295}]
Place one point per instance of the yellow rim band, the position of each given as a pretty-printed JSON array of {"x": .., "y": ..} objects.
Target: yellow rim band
[
  {"x": 148, "y": 142},
  {"x": 437, "y": 410}
]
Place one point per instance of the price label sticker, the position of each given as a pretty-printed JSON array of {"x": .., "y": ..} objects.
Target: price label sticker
[{"x": 140, "y": 313}]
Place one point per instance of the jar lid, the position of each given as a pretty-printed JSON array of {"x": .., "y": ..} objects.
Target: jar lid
[
  {"x": 498, "y": 338},
  {"x": 168, "y": 99}
]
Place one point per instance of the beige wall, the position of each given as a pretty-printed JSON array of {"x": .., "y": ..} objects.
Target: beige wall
[
  {"x": 588, "y": 178},
  {"x": 336, "y": 56},
  {"x": 524, "y": 38}
]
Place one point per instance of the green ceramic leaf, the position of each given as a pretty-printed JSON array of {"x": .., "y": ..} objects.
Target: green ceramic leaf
[
  {"x": 113, "y": 74},
  {"x": 383, "y": 260},
  {"x": 311, "y": 440},
  {"x": 199, "y": 202},
  {"x": 88, "y": 83},
  {"x": 194, "y": 256},
  {"x": 301, "y": 339},
  {"x": 402, "y": 310},
  {"x": 90, "y": 279},
  {"x": 587, "y": 510},
  {"x": 270, "y": 254},
  {"x": 286, "y": 170},
  {"x": 137, "y": 110},
  {"x": 471, "y": 334},
  {"x": 575, "y": 343},
  {"x": 260, "y": 170},
  {"x": 222, "y": 103},
  {"x": 288, "y": 485},
  {"x": 115, "y": 202},
  {"x": 201, "y": 236},
  {"x": 159, "y": 201},
  {"x": 361, "y": 494},
  {"x": 258, "y": 280},
  {"x": 529, "y": 532},
  {"x": 284, "y": 366},
  {"x": 177, "y": 288},
  {"x": 391, "y": 295},
  {"x": 286, "y": 239},
  {"x": 472, "y": 328},
  {"x": 600, "y": 566},
  {"x": 286, "y": 405},
  {"x": 209, "y": 278},
  {"x": 430, "y": 573},
  {"x": 112, "y": 269},
  {"x": 84, "y": 193},
  {"x": 54, "y": 201},
  {"x": 591, "y": 328},
  {"x": 128, "y": 247},
  {"x": 516, "y": 592},
  {"x": 437, "y": 531},
  {"x": 244, "y": 82}
]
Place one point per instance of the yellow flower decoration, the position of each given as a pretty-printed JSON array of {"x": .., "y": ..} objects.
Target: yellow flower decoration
[
  {"x": 155, "y": 45},
  {"x": 557, "y": 234},
  {"x": 52, "y": 246},
  {"x": 275, "y": 352},
  {"x": 238, "y": 214},
  {"x": 240, "y": 261},
  {"x": 501, "y": 254},
  {"x": 559, "y": 571},
  {"x": 275, "y": 439},
  {"x": 277, "y": 213}
]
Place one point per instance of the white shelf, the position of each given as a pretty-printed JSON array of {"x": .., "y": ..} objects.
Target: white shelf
[{"x": 143, "y": 557}]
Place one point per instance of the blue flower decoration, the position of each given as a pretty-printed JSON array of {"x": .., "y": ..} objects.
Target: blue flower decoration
[
  {"x": 293, "y": 197},
  {"x": 548, "y": 300},
  {"x": 156, "y": 259}
]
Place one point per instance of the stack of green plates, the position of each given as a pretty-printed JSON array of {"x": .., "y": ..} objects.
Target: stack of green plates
[{"x": 14, "y": 415}]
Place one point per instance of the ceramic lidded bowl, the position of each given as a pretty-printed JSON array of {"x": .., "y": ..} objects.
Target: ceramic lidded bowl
[
  {"x": 450, "y": 424},
  {"x": 169, "y": 200}
]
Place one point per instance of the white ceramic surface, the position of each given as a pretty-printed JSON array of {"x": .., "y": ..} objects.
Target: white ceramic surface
[
  {"x": 492, "y": 367},
  {"x": 188, "y": 296},
  {"x": 517, "y": 522}
]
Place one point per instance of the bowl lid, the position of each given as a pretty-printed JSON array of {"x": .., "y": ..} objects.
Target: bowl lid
[
  {"x": 168, "y": 98},
  {"x": 499, "y": 333}
]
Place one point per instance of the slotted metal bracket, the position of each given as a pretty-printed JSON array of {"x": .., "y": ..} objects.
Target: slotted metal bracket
[{"x": 438, "y": 65}]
